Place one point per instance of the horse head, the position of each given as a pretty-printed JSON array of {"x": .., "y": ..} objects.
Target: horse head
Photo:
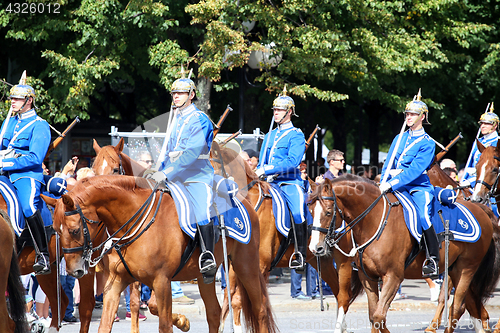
[
  {"x": 486, "y": 174},
  {"x": 77, "y": 229},
  {"x": 111, "y": 160},
  {"x": 345, "y": 199},
  {"x": 227, "y": 162}
]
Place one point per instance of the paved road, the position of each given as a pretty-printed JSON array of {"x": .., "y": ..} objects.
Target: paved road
[{"x": 411, "y": 314}]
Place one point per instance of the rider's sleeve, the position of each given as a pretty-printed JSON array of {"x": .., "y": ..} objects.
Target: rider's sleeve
[
  {"x": 39, "y": 141},
  {"x": 288, "y": 154},
  {"x": 193, "y": 145},
  {"x": 421, "y": 162},
  {"x": 263, "y": 151}
]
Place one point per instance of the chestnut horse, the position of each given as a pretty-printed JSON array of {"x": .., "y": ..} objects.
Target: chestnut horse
[
  {"x": 15, "y": 322},
  {"x": 154, "y": 253},
  {"x": 257, "y": 192},
  {"x": 48, "y": 283},
  {"x": 474, "y": 266},
  {"x": 487, "y": 176}
]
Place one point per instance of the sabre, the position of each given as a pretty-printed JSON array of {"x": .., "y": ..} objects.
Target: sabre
[
  {"x": 320, "y": 283},
  {"x": 446, "y": 249},
  {"x": 163, "y": 150},
  {"x": 226, "y": 266},
  {"x": 393, "y": 156},
  {"x": 58, "y": 282},
  {"x": 267, "y": 142},
  {"x": 473, "y": 145}
]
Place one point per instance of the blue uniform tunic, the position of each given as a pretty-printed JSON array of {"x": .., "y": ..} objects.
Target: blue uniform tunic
[
  {"x": 408, "y": 172},
  {"x": 29, "y": 136},
  {"x": 282, "y": 153},
  {"x": 470, "y": 169},
  {"x": 187, "y": 158}
]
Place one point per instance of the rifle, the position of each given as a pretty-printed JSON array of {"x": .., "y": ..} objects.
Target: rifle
[
  {"x": 441, "y": 154},
  {"x": 221, "y": 120},
  {"x": 233, "y": 136},
  {"x": 58, "y": 140},
  {"x": 311, "y": 137}
]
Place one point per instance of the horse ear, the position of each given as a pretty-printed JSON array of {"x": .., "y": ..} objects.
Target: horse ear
[
  {"x": 480, "y": 146},
  {"x": 68, "y": 202},
  {"x": 96, "y": 146},
  {"x": 119, "y": 146},
  {"x": 49, "y": 200}
]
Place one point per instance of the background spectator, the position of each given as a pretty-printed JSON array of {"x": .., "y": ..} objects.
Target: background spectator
[{"x": 254, "y": 158}]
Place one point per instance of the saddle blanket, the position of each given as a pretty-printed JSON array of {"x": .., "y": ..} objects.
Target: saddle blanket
[
  {"x": 280, "y": 210},
  {"x": 463, "y": 224},
  {"x": 236, "y": 217},
  {"x": 14, "y": 210}
]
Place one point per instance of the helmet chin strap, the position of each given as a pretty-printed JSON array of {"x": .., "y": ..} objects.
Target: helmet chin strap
[
  {"x": 282, "y": 118},
  {"x": 24, "y": 104},
  {"x": 183, "y": 104}
]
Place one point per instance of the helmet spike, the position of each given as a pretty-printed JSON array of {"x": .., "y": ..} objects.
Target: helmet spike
[
  {"x": 183, "y": 74},
  {"x": 284, "y": 91},
  {"x": 491, "y": 107},
  {"x": 23, "y": 78},
  {"x": 419, "y": 95}
]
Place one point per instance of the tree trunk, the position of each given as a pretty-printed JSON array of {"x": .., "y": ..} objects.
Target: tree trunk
[{"x": 203, "y": 89}]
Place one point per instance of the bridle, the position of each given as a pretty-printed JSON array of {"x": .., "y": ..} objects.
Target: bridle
[
  {"x": 87, "y": 247},
  {"x": 493, "y": 188}
]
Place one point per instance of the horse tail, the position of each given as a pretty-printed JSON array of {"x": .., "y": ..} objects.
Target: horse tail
[
  {"x": 487, "y": 275},
  {"x": 356, "y": 286},
  {"x": 251, "y": 322},
  {"x": 17, "y": 301}
]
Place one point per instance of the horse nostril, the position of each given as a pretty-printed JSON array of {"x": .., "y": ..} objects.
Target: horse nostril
[
  {"x": 319, "y": 249},
  {"x": 78, "y": 273}
]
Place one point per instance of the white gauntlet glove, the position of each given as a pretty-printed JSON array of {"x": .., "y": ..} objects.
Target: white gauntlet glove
[
  {"x": 157, "y": 176},
  {"x": 385, "y": 187},
  {"x": 465, "y": 182}
]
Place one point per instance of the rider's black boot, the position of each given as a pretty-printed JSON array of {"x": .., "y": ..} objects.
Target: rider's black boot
[
  {"x": 207, "y": 263},
  {"x": 37, "y": 229},
  {"x": 298, "y": 260},
  {"x": 430, "y": 267}
]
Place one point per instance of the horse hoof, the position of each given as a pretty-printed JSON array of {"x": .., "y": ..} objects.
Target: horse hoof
[
  {"x": 182, "y": 323},
  {"x": 430, "y": 329}
]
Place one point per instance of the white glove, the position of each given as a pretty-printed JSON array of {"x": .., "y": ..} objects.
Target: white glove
[
  {"x": 158, "y": 176},
  {"x": 260, "y": 172},
  {"x": 385, "y": 187},
  {"x": 465, "y": 182}
]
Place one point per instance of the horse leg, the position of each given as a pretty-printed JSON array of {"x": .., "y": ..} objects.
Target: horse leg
[
  {"x": 235, "y": 303},
  {"x": 479, "y": 315},
  {"x": 135, "y": 297},
  {"x": 111, "y": 301},
  {"x": 163, "y": 297},
  {"x": 371, "y": 289},
  {"x": 436, "y": 321},
  {"x": 342, "y": 285},
  {"x": 87, "y": 301},
  {"x": 461, "y": 278},
  {"x": 179, "y": 320},
  {"x": 212, "y": 306},
  {"x": 389, "y": 289},
  {"x": 48, "y": 283}
]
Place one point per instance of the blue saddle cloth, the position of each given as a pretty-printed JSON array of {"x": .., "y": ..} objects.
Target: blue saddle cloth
[
  {"x": 236, "y": 217},
  {"x": 280, "y": 210},
  {"x": 463, "y": 224}
]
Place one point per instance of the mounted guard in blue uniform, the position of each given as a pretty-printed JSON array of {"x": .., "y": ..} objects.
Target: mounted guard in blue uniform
[
  {"x": 25, "y": 140},
  {"x": 488, "y": 128},
  {"x": 410, "y": 156},
  {"x": 186, "y": 159},
  {"x": 280, "y": 157}
]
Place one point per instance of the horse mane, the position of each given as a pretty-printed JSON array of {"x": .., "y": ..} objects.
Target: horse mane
[
  {"x": 350, "y": 179},
  {"x": 85, "y": 188}
]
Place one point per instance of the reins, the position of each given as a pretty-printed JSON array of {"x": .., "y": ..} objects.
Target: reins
[{"x": 111, "y": 242}]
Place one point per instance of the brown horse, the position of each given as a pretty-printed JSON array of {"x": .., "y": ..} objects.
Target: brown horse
[
  {"x": 359, "y": 203},
  {"x": 148, "y": 257},
  {"x": 439, "y": 178},
  {"x": 48, "y": 283},
  {"x": 15, "y": 322},
  {"x": 487, "y": 174},
  {"x": 257, "y": 192}
]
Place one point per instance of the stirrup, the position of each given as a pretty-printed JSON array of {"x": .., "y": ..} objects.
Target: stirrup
[
  {"x": 297, "y": 262},
  {"x": 427, "y": 272},
  {"x": 209, "y": 267},
  {"x": 42, "y": 265}
]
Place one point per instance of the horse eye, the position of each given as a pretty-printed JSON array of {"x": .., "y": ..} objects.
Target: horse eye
[
  {"x": 495, "y": 170},
  {"x": 116, "y": 170},
  {"x": 328, "y": 213},
  {"x": 74, "y": 232}
]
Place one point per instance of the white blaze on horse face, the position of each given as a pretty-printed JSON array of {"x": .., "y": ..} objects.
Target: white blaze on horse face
[
  {"x": 103, "y": 167},
  {"x": 477, "y": 188},
  {"x": 318, "y": 210}
]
